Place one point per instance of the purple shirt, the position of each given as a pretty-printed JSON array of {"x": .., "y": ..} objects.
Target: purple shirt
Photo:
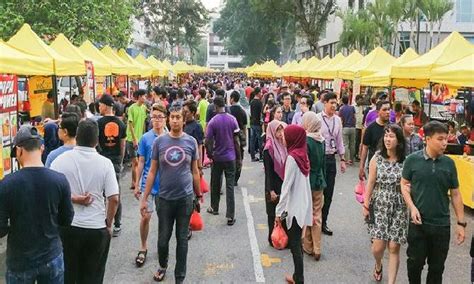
[
  {"x": 331, "y": 129},
  {"x": 347, "y": 114},
  {"x": 222, "y": 129},
  {"x": 373, "y": 114},
  {"x": 297, "y": 118}
]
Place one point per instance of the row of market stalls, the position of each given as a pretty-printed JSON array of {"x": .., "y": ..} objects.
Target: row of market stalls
[
  {"x": 30, "y": 68},
  {"x": 434, "y": 78}
]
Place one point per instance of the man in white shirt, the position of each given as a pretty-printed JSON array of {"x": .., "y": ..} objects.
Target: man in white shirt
[{"x": 92, "y": 179}]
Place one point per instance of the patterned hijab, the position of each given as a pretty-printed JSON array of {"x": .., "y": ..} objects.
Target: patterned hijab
[{"x": 275, "y": 148}]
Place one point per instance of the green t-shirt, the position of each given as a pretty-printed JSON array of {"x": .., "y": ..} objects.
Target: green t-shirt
[
  {"x": 431, "y": 181},
  {"x": 136, "y": 115},
  {"x": 202, "y": 110},
  {"x": 316, "y": 155}
]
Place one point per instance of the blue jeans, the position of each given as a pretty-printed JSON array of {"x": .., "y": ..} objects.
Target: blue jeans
[
  {"x": 255, "y": 140},
  {"x": 51, "y": 273},
  {"x": 169, "y": 212}
]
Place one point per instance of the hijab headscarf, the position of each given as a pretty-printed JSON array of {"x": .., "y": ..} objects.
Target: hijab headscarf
[
  {"x": 51, "y": 139},
  {"x": 312, "y": 124},
  {"x": 295, "y": 137},
  {"x": 275, "y": 148}
]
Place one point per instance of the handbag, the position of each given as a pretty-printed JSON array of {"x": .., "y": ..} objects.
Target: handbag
[{"x": 279, "y": 237}]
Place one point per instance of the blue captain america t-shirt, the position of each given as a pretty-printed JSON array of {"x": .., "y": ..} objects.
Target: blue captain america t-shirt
[{"x": 145, "y": 149}]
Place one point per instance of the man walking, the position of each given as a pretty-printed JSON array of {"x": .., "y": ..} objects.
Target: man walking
[
  {"x": 331, "y": 130},
  {"x": 428, "y": 179},
  {"x": 222, "y": 144},
  {"x": 136, "y": 117},
  {"x": 347, "y": 113},
  {"x": 34, "y": 202},
  {"x": 175, "y": 158},
  {"x": 288, "y": 113},
  {"x": 256, "y": 108},
  {"x": 372, "y": 136},
  {"x": 239, "y": 113},
  {"x": 93, "y": 184},
  {"x": 158, "y": 120},
  {"x": 112, "y": 134}
]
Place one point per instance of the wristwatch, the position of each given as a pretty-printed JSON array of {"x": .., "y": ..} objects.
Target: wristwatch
[{"x": 462, "y": 224}]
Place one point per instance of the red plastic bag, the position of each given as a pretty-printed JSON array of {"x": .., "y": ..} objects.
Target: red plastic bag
[
  {"x": 279, "y": 237},
  {"x": 204, "y": 185},
  {"x": 196, "y": 223},
  {"x": 207, "y": 162},
  {"x": 360, "y": 191}
]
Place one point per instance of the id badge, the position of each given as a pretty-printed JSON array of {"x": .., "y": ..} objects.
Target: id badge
[{"x": 332, "y": 143}]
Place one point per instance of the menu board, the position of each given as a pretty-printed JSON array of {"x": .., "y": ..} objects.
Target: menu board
[
  {"x": 8, "y": 120},
  {"x": 38, "y": 88}
]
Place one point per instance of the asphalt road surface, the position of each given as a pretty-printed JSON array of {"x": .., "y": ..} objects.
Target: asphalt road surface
[{"x": 241, "y": 254}]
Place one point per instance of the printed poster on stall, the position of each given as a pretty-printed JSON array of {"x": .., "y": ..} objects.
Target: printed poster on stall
[
  {"x": 99, "y": 86},
  {"x": 89, "y": 89},
  {"x": 8, "y": 119},
  {"x": 38, "y": 86}
]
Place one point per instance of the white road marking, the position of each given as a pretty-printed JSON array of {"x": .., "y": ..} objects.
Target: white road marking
[{"x": 257, "y": 263}]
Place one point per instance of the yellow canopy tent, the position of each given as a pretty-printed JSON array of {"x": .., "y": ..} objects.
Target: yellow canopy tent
[
  {"x": 453, "y": 48},
  {"x": 299, "y": 71},
  {"x": 265, "y": 70},
  {"x": 162, "y": 69},
  {"x": 125, "y": 67},
  {"x": 13, "y": 61},
  {"x": 97, "y": 56},
  {"x": 332, "y": 71},
  {"x": 285, "y": 70},
  {"x": 460, "y": 73},
  {"x": 369, "y": 64},
  {"x": 249, "y": 69},
  {"x": 382, "y": 78},
  {"x": 279, "y": 72},
  {"x": 167, "y": 64},
  {"x": 306, "y": 73},
  {"x": 182, "y": 67},
  {"x": 27, "y": 41},
  {"x": 294, "y": 68},
  {"x": 65, "y": 48},
  {"x": 319, "y": 73},
  {"x": 144, "y": 70},
  {"x": 155, "y": 71}
]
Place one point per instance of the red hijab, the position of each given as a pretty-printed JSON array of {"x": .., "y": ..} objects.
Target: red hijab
[{"x": 295, "y": 137}]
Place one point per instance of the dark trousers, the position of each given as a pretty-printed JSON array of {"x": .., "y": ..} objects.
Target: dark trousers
[
  {"x": 427, "y": 243},
  {"x": 51, "y": 272},
  {"x": 228, "y": 168},
  {"x": 294, "y": 242},
  {"x": 118, "y": 214},
  {"x": 331, "y": 172},
  {"x": 85, "y": 254},
  {"x": 169, "y": 212},
  {"x": 358, "y": 139},
  {"x": 238, "y": 167},
  {"x": 256, "y": 141}
]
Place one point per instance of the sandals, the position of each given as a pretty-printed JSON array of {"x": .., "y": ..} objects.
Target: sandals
[
  {"x": 159, "y": 275},
  {"x": 141, "y": 258},
  {"x": 211, "y": 211},
  {"x": 378, "y": 273}
]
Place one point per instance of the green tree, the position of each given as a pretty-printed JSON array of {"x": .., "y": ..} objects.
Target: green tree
[
  {"x": 106, "y": 21},
  {"x": 434, "y": 11},
  {"x": 358, "y": 31},
  {"x": 200, "y": 56},
  {"x": 312, "y": 16}
]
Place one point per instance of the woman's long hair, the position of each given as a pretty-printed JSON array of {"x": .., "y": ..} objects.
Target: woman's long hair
[{"x": 400, "y": 150}]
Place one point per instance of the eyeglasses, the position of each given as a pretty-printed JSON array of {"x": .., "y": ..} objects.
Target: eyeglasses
[{"x": 159, "y": 117}]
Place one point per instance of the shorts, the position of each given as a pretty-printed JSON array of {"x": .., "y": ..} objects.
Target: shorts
[
  {"x": 132, "y": 152},
  {"x": 150, "y": 203}
]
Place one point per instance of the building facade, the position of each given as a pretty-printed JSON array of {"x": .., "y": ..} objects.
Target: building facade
[{"x": 218, "y": 57}]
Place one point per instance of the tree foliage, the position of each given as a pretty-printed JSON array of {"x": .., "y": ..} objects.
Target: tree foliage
[
  {"x": 174, "y": 22},
  {"x": 105, "y": 21}
]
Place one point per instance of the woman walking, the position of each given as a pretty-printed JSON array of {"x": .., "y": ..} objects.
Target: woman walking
[
  {"x": 413, "y": 141},
  {"x": 384, "y": 207},
  {"x": 274, "y": 156},
  {"x": 317, "y": 178},
  {"x": 295, "y": 200}
]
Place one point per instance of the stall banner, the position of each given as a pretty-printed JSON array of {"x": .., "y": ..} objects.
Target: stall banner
[
  {"x": 100, "y": 86},
  {"x": 38, "y": 87},
  {"x": 402, "y": 95},
  {"x": 337, "y": 86},
  {"x": 121, "y": 84},
  {"x": 89, "y": 89},
  {"x": 8, "y": 119}
]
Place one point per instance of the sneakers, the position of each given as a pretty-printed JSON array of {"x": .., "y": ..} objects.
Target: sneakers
[{"x": 116, "y": 231}]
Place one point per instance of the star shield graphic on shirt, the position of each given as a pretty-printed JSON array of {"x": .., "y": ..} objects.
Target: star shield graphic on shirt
[{"x": 174, "y": 156}]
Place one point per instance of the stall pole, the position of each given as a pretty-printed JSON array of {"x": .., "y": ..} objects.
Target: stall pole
[
  {"x": 429, "y": 100},
  {"x": 128, "y": 88},
  {"x": 55, "y": 92},
  {"x": 93, "y": 89},
  {"x": 70, "y": 87}
]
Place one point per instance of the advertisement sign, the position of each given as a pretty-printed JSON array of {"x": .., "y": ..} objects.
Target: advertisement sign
[
  {"x": 89, "y": 89},
  {"x": 38, "y": 86},
  {"x": 8, "y": 119},
  {"x": 100, "y": 86}
]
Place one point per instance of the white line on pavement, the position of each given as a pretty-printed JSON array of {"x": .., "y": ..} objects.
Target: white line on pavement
[{"x": 257, "y": 264}]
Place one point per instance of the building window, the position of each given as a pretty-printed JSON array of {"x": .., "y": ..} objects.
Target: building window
[
  {"x": 404, "y": 42},
  {"x": 464, "y": 11}
]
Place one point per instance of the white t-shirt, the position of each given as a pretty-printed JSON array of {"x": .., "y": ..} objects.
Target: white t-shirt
[{"x": 88, "y": 171}]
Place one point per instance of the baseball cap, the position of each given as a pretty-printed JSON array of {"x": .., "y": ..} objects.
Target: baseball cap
[
  {"x": 25, "y": 133},
  {"x": 106, "y": 100}
]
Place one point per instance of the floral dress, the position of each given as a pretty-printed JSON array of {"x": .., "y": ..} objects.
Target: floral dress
[{"x": 388, "y": 209}]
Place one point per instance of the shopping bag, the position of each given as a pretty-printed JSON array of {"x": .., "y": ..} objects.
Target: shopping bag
[
  {"x": 360, "y": 191},
  {"x": 207, "y": 162},
  {"x": 204, "y": 185},
  {"x": 279, "y": 237},
  {"x": 196, "y": 223}
]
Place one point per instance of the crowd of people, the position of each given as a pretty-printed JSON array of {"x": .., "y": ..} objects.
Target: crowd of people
[{"x": 61, "y": 223}]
